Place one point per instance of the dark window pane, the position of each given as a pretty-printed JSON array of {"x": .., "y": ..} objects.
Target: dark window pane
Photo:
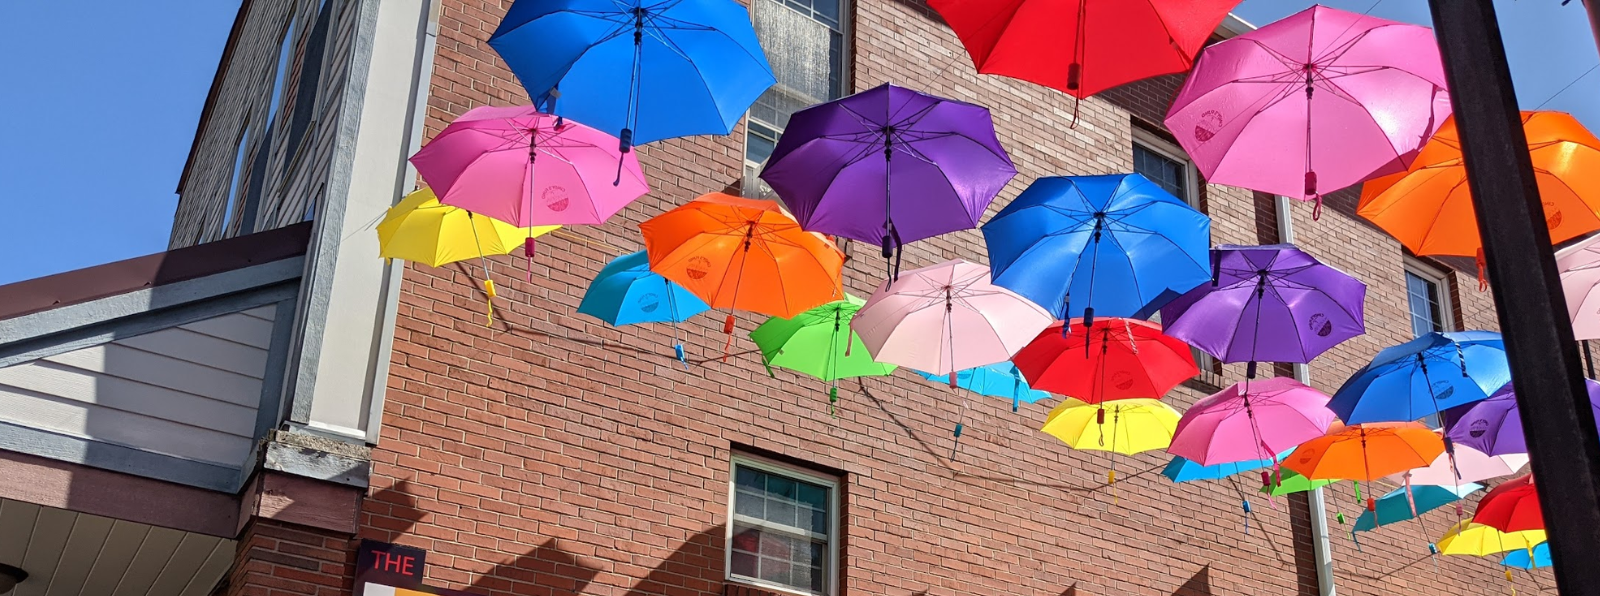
[
  {"x": 813, "y": 495},
  {"x": 774, "y": 570},
  {"x": 747, "y": 477},
  {"x": 746, "y": 503},
  {"x": 744, "y": 564},
  {"x": 782, "y": 512},
  {"x": 819, "y": 521},
  {"x": 781, "y": 487},
  {"x": 776, "y": 545},
  {"x": 746, "y": 539}
]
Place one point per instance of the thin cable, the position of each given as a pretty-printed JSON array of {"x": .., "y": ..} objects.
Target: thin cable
[{"x": 1569, "y": 86}]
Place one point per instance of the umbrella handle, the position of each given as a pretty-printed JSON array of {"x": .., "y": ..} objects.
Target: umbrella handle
[
  {"x": 488, "y": 300},
  {"x": 625, "y": 146}
]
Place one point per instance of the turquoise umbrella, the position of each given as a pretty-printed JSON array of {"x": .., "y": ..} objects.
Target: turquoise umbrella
[
  {"x": 1182, "y": 469},
  {"x": 1001, "y": 379},
  {"x": 1395, "y": 507},
  {"x": 1534, "y": 558},
  {"x": 627, "y": 292}
]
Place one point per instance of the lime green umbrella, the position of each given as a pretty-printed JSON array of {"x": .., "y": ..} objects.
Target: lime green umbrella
[
  {"x": 819, "y": 342},
  {"x": 1291, "y": 481}
]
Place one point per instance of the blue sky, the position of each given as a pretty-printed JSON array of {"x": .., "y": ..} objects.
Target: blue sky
[{"x": 113, "y": 90}]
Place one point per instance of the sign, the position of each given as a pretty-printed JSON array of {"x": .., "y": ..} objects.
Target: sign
[{"x": 390, "y": 564}]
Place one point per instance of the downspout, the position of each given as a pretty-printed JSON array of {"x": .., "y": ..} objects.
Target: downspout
[{"x": 1321, "y": 550}]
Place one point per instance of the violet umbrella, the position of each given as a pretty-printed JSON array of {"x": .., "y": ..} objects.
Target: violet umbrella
[
  {"x": 889, "y": 166},
  {"x": 1268, "y": 304},
  {"x": 1251, "y": 420},
  {"x": 1315, "y": 102},
  {"x": 1494, "y": 425}
]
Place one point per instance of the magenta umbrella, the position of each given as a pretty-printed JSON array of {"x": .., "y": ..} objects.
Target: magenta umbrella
[
  {"x": 519, "y": 166},
  {"x": 1250, "y": 421},
  {"x": 1315, "y": 102}
]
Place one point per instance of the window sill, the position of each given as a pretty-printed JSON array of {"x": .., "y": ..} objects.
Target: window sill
[{"x": 734, "y": 587}]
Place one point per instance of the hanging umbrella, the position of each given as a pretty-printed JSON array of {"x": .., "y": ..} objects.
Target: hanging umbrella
[
  {"x": 1182, "y": 469},
  {"x": 1537, "y": 557},
  {"x": 1580, "y": 279},
  {"x": 1114, "y": 359},
  {"x": 1511, "y": 507},
  {"x": 889, "y": 166},
  {"x": 1494, "y": 426},
  {"x": 1315, "y": 102},
  {"x": 1251, "y": 420},
  {"x": 1304, "y": 307},
  {"x": 1050, "y": 42},
  {"x": 946, "y": 318},
  {"x": 421, "y": 230},
  {"x": 518, "y": 165},
  {"x": 1114, "y": 245},
  {"x": 1397, "y": 506},
  {"x": 1428, "y": 207},
  {"x": 744, "y": 254},
  {"x": 1478, "y": 540},
  {"x": 642, "y": 70},
  {"x": 1424, "y": 376},
  {"x": 1289, "y": 482},
  {"x": 819, "y": 342},
  {"x": 1366, "y": 452},
  {"x": 627, "y": 292},
  {"x": 995, "y": 380},
  {"x": 1128, "y": 427},
  {"x": 1469, "y": 465}
]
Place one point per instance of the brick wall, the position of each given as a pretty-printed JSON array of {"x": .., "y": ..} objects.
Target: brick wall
[
  {"x": 282, "y": 559},
  {"x": 551, "y": 454}
]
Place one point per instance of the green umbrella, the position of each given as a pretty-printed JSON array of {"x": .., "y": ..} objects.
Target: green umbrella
[
  {"x": 819, "y": 342},
  {"x": 1292, "y": 482}
]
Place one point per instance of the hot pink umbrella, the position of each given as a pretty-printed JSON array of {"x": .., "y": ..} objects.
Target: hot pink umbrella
[
  {"x": 946, "y": 318},
  {"x": 1580, "y": 279},
  {"x": 1318, "y": 101},
  {"x": 1251, "y": 420},
  {"x": 1471, "y": 464},
  {"x": 519, "y": 166}
]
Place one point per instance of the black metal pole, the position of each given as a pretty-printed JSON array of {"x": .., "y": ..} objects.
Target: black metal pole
[
  {"x": 1593, "y": 7},
  {"x": 1545, "y": 366}
]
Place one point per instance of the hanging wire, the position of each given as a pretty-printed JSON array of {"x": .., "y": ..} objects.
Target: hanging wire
[{"x": 1569, "y": 86}]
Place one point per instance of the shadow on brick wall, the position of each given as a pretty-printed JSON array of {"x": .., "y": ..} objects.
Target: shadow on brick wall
[
  {"x": 1198, "y": 585},
  {"x": 548, "y": 569},
  {"x": 694, "y": 568}
]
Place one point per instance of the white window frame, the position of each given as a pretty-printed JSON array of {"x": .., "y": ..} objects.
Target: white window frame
[
  {"x": 1155, "y": 144},
  {"x": 830, "y": 583},
  {"x": 846, "y": 30},
  {"x": 1431, "y": 274}
]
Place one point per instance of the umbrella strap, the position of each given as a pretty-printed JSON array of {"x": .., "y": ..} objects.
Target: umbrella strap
[
  {"x": 533, "y": 155},
  {"x": 672, "y": 314},
  {"x": 488, "y": 284},
  {"x": 625, "y": 140},
  {"x": 1483, "y": 277}
]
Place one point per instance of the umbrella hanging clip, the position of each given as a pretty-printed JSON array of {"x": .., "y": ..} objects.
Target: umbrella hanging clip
[{"x": 1247, "y": 517}]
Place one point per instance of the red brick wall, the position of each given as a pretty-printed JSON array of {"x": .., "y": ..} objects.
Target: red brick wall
[
  {"x": 280, "y": 559},
  {"x": 551, "y": 454}
]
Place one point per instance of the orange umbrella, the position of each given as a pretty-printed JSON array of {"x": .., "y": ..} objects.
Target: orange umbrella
[
  {"x": 1429, "y": 208},
  {"x": 1366, "y": 452},
  {"x": 744, "y": 254}
]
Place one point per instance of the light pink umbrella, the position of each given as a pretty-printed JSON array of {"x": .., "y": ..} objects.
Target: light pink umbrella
[
  {"x": 1251, "y": 420},
  {"x": 1580, "y": 278},
  {"x": 517, "y": 165},
  {"x": 1473, "y": 466},
  {"x": 1315, "y": 102},
  {"x": 946, "y": 318}
]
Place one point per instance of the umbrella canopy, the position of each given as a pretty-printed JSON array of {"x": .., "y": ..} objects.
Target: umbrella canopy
[
  {"x": 1312, "y": 103},
  {"x": 643, "y": 70},
  {"x": 744, "y": 254},
  {"x": 1469, "y": 465},
  {"x": 627, "y": 292},
  {"x": 1115, "y": 245},
  {"x": 1366, "y": 452},
  {"x": 1114, "y": 359},
  {"x": 1511, "y": 507},
  {"x": 1494, "y": 426},
  {"x": 995, "y": 380},
  {"x": 1478, "y": 540},
  {"x": 1396, "y": 506},
  {"x": 818, "y": 342},
  {"x": 889, "y": 165},
  {"x": 1251, "y": 420},
  {"x": 1580, "y": 280},
  {"x": 1532, "y": 558},
  {"x": 1126, "y": 426},
  {"x": 1428, "y": 207},
  {"x": 1304, "y": 306},
  {"x": 946, "y": 318},
  {"x": 517, "y": 165},
  {"x": 1183, "y": 469},
  {"x": 421, "y": 230},
  {"x": 1047, "y": 42},
  {"x": 1424, "y": 376},
  {"x": 1289, "y": 482}
]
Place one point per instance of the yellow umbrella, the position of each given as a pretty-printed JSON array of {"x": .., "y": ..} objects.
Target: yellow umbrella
[
  {"x": 1468, "y": 538},
  {"x": 1125, "y": 426},
  {"x": 422, "y": 230}
]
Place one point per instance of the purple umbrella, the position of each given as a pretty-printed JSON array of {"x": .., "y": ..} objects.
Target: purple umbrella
[
  {"x": 1268, "y": 304},
  {"x": 889, "y": 165},
  {"x": 1493, "y": 425}
]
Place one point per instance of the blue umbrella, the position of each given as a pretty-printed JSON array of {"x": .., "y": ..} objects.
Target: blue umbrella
[
  {"x": 1182, "y": 469},
  {"x": 1395, "y": 507},
  {"x": 1524, "y": 559},
  {"x": 643, "y": 70},
  {"x": 1424, "y": 376},
  {"x": 1115, "y": 245},
  {"x": 627, "y": 292},
  {"x": 1001, "y": 379}
]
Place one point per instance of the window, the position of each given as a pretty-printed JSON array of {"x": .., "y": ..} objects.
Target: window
[
  {"x": 782, "y": 528},
  {"x": 285, "y": 51},
  {"x": 804, "y": 41},
  {"x": 1166, "y": 165},
  {"x": 238, "y": 180},
  {"x": 1427, "y": 298}
]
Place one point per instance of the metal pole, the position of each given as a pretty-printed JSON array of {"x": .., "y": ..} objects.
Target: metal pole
[
  {"x": 1321, "y": 550},
  {"x": 1527, "y": 291},
  {"x": 1593, "y": 7}
]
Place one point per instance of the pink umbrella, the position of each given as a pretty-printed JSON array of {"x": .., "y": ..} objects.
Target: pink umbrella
[
  {"x": 1318, "y": 101},
  {"x": 1250, "y": 421},
  {"x": 1472, "y": 465},
  {"x": 946, "y": 318},
  {"x": 519, "y": 166},
  {"x": 1580, "y": 278}
]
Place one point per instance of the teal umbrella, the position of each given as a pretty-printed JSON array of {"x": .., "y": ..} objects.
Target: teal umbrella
[
  {"x": 1396, "y": 507},
  {"x": 1001, "y": 379}
]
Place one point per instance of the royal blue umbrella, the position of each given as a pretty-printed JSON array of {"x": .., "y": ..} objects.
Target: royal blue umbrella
[
  {"x": 1115, "y": 245},
  {"x": 995, "y": 380},
  {"x": 1183, "y": 469},
  {"x": 627, "y": 292},
  {"x": 1396, "y": 507},
  {"x": 1534, "y": 558},
  {"x": 642, "y": 70},
  {"x": 1423, "y": 377}
]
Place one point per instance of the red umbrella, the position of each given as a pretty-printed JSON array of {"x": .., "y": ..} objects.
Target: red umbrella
[
  {"x": 1512, "y": 506},
  {"x": 1083, "y": 47},
  {"x": 1112, "y": 359}
]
